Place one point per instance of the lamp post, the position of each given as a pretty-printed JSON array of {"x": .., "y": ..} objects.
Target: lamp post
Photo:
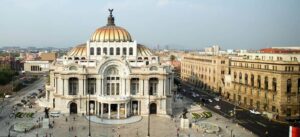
[
  {"x": 89, "y": 114},
  {"x": 149, "y": 114}
]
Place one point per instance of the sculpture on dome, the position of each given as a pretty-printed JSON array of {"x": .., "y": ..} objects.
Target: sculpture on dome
[{"x": 110, "y": 11}]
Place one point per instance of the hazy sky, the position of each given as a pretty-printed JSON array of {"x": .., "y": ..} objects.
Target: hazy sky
[{"x": 188, "y": 24}]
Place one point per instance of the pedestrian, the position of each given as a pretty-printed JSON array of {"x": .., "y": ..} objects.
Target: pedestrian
[
  {"x": 74, "y": 118},
  {"x": 66, "y": 119},
  {"x": 72, "y": 128},
  {"x": 69, "y": 129},
  {"x": 36, "y": 134},
  {"x": 53, "y": 122}
]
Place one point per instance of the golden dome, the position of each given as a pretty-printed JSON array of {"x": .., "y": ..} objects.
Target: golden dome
[
  {"x": 143, "y": 50},
  {"x": 111, "y": 32},
  {"x": 79, "y": 50}
]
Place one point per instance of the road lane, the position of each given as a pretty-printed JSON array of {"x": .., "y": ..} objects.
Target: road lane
[{"x": 243, "y": 117}]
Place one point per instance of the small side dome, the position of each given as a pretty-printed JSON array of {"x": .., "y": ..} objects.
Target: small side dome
[{"x": 79, "y": 51}]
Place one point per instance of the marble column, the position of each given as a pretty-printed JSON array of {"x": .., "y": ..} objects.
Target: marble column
[{"x": 108, "y": 111}]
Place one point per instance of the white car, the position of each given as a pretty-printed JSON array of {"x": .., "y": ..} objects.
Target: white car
[
  {"x": 217, "y": 107},
  {"x": 210, "y": 100},
  {"x": 217, "y": 99},
  {"x": 54, "y": 114},
  {"x": 8, "y": 96},
  {"x": 255, "y": 112}
]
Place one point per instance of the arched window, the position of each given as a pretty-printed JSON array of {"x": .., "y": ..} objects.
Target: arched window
[
  {"x": 289, "y": 86},
  {"x": 91, "y": 51},
  {"x": 73, "y": 68},
  {"x": 76, "y": 58},
  {"x": 118, "y": 51},
  {"x": 258, "y": 81},
  {"x": 98, "y": 51},
  {"x": 111, "y": 51},
  {"x": 112, "y": 81},
  {"x": 240, "y": 77},
  {"x": 146, "y": 58},
  {"x": 91, "y": 86},
  {"x": 130, "y": 51},
  {"x": 153, "y": 82},
  {"x": 274, "y": 84},
  {"x": 153, "y": 58},
  {"x": 134, "y": 86},
  {"x": 246, "y": 79},
  {"x": 266, "y": 83},
  {"x": 105, "y": 51},
  {"x": 73, "y": 86},
  {"x": 124, "y": 51},
  {"x": 234, "y": 75},
  {"x": 83, "y": 58},
  {"x": 252, "y": 80},
  {"x": 153, "y": 68}
]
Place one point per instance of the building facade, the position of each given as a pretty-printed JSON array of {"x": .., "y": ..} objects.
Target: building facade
[
  {"x": 267, "y": 82},
  {"x": 270, "y": 84},
  {"x": 110, "y": 76},
  {"x": 205, "y": 71}
]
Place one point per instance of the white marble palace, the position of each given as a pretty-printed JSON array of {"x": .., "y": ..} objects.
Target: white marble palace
[{"x": 111, "y": 76}]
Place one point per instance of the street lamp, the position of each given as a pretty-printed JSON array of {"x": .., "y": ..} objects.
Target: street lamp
[
  {"x": 149, "y": 114},
  {"x": 89, "y": 114}
]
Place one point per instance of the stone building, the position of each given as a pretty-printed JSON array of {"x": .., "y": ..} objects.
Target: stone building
[
  {"x": 270, "y": 84},
  {"x": 267, "y": 82},
  {"x": 111, "y": 76},
  {"x": 205, "y": 71}
]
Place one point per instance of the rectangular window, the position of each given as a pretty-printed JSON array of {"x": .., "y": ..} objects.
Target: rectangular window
[
  {"x": 108, "y": 89},
  {"x": 98, "y": 51},
  {"x": 124, "y": 51},
  {"x": 91, "y": 51},
  {"x": 105, "y": 51},
  {"x": 111, "y": 51}
]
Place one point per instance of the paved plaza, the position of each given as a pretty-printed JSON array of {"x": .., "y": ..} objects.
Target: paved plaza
[{"x": 77, "y": 125}]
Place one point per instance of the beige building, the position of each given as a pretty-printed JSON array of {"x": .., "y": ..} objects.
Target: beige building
[
  {"x": 269, "y": 83},
  {"x": 205, "y": 71}
]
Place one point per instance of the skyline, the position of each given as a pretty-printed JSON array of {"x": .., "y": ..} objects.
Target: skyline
[{"x": 179, "y": 24}]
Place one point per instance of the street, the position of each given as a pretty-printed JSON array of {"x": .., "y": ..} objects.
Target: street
[{"x": 255, "y": 123}]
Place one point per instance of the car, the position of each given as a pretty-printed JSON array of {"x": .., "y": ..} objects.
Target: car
[
  {"x": 8, "y": 96},
  {"x": 217, "y": 107},
  {"x": 33, "y": 94},
  {"x": 19, "y": 104},
  {"x": 55, "y": 114},
  {"x": 217, "y": 99},
  {"x": 210, "y": 100},
  {"x": 255, "y": 112}
]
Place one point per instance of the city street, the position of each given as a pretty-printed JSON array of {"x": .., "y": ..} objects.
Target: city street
[
  {"x": 255, "y": 123},
  {"x": 8, "y": 103}
]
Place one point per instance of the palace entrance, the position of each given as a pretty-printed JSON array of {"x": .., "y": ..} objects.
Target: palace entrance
[{"x": 73, "y": 108}]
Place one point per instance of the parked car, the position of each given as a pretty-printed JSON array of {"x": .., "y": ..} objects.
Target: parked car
[
  {"x": 210, "y": 100},
  {"x": 217, "y": 107}
]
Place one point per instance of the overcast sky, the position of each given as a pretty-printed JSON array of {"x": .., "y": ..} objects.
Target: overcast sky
[{"x": 183, "y": 24}]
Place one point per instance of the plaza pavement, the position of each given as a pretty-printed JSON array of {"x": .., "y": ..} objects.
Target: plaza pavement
[{"x": 159, "y": 126}]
